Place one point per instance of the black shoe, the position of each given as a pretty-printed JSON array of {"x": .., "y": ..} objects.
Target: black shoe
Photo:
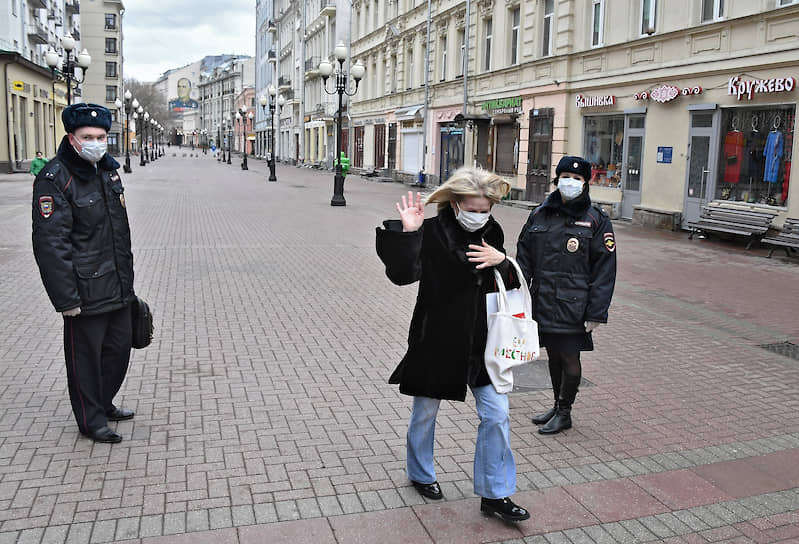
[
  {"x": 119, "y": 414},
  {"x": 104, "y": 435},
  {"x": 561, "y": 421},
  {"x": 431, "y": 491},
  {"x": 504, "y": 508},
  {"x": 540, "y": 419}
]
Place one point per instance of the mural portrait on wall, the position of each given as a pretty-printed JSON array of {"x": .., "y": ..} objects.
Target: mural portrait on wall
[{"x": 184, "y": 101}]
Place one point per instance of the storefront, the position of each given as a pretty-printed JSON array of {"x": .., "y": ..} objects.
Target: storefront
[
  {"x": 411, "y": 128},
  {"x": 449, "y": 148},
  {"x": 499, "y": 151}
]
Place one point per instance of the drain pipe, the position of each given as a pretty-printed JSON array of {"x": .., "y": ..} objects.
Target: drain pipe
[
  {"x": 8, "y": 117},
  {"x": 426, "y": 91}
]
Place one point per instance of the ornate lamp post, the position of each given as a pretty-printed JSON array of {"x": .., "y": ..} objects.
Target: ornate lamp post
[
  {"x": 140, "y": 126},
  {"x": 67, "y": 68},
  {"x": 271, "y": 137},
  {"x": 145, "y": 126},
  {"x": 229, "y": 136},
  {"x": 130, "y": 105},
  {"x": 252, "y": 147},
  {"x": 219, "y": 142},
  {"x": 341, "y": 88},
  {"x": 153, "y": 122},
  {"x": 241, "y": 116},
  {"x": 204, "y": 133}
]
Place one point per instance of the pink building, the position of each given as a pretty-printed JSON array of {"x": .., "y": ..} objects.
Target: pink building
[{"x": 243, "y": 128}]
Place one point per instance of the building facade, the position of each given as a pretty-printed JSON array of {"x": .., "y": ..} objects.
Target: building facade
[
  {"x": 218, "y": 90},
  {"x": 674, "y": 103},
  {"x": 101, "y": 36},
  {"x": 265, "y": 70}
]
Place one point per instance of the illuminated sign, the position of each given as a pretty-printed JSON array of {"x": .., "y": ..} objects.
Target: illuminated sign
[
  {"x": 740, "y": 88},
  {"x": 592, "y": 101}
]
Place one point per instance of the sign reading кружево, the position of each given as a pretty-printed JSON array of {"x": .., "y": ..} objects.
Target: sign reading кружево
[{"x": 503, "y": 105}]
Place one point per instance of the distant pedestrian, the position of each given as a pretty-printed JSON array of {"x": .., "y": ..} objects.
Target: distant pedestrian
[
  {"x": 81, "y": 241},
  {"x": 567, "y": 251},
  {"x": 452, "y": 256},
  {"x": 38, "y": 163}
]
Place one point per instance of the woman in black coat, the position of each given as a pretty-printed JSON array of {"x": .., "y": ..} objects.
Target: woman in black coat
[
  {"x": 452, "y": 256},
  {"x": 567, "y": 251}
]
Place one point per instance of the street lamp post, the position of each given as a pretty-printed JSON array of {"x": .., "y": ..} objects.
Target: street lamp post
[
  {"x": 152, "y": 137},
  {"x": 271, "y": 136},
  {"x": 140, "y": 128},
  {"x": 341, "y": 88},
  {"x": 252, "y": 147},
  {"x": 130, "y": 105},
  {"x": 229, "y": 137},
  {"x": 219, "y": 143},
  {"x": 241, "y": 115},
  {"x": 81, "y": 60}
]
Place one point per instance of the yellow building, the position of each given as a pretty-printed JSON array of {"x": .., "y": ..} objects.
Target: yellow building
[{"x": 30, "y": 112}]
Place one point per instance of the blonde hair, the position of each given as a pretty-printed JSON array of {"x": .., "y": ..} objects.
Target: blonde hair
[{"x": 467, "y": 181}]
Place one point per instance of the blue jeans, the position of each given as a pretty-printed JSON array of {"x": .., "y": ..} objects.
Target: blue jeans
[{"x": 494, "y": 466}]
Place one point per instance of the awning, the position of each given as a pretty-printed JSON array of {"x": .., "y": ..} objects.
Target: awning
[{"x": 409, "y": 112}]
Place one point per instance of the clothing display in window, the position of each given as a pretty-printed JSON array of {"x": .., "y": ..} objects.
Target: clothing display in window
[
  {"x": 773, "y": 153},
  {"x": 733, "y": 153},
  {"x": 753, "y": 153}
]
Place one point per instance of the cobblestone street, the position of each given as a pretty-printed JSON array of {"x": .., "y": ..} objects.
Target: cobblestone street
[{"x": 263, "y": 412}]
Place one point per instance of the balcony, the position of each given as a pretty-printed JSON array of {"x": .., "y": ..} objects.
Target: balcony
[
  {"x": 312, "y": 66},
  {"x": 37, "y": 4},
  {"x": 72, "y": 7},
  {"x": 76, "y": 34},
  {"x": 283, "y": 83},
  {"x": 288, "y": 95},
  {"x": 271, "y": 56},
  {"x": 327, "y": 7},
  {"x": 37, "y": 33}
]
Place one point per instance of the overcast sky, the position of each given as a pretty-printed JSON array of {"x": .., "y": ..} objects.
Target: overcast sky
[{"x": 164, "y": 34}]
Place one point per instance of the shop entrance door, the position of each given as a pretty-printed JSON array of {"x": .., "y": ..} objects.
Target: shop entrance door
[
  {"x": 631, "y": 165},
  {"x": 451, "y": 151},
  {"x": 539, "y": 155},
  {"x": 701, "y": 174}
]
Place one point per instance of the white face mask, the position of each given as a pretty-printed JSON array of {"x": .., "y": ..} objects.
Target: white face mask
[
  {"x": 471, "y": 221},
  {"x": 570, "y": 188},
  {"x": 91, "y": 150}
]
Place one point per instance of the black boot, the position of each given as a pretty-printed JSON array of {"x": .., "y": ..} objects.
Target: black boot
[
  {"x": 562, "y": 419},
  {"x": 540, "y": 419},
  {"x": 555, "y": 376}
]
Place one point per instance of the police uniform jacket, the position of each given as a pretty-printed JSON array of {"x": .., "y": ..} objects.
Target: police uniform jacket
[
  {"x": 447, "y": 335},
  {"x": 567, "y": 252},
  {"x": 81, "y": 236}
]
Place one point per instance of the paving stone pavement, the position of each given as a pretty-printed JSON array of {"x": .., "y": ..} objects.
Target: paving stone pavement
[{"x": 263, "y": 413}]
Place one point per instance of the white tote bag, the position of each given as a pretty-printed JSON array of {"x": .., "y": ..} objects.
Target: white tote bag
[{"x": 512, "y": 333}]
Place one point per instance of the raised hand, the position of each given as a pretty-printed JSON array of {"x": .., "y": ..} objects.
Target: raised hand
[{"x": 411, "y": 214}]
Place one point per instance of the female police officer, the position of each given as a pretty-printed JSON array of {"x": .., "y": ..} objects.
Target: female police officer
[{"x": 567, "y": 251}]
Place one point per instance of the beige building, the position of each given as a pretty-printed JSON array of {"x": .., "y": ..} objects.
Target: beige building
[
  {"x": 101, "y": 36},
  {"x": 674, "y": 103}
]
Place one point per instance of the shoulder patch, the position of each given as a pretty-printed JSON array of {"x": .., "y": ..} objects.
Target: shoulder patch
[
  {"x": 599, "y": 209},
  {"x": 46, "y": 206},
  {"x": 610, "y": 242}
]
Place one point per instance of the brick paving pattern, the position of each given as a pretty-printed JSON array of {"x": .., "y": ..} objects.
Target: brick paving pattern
[{"x": 263, "y": 413}]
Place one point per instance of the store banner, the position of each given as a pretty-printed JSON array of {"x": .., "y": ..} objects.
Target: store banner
[{"x": 740, "y": 88}]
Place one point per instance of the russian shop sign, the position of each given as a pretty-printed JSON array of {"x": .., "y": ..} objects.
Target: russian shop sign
[
  {"x": 740, "y": 88},
  {"x": 666, "y": 93},
  {"x": 504, "y": 105},
  {"x": 591, "y": 101}
]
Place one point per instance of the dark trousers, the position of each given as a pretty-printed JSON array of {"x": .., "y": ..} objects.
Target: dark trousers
[
  {"x": 97, "y": 353},
  {"x": 565, "y": 371}
]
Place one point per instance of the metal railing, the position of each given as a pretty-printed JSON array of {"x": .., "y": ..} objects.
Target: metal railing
[{"x": 312, "y": 64}]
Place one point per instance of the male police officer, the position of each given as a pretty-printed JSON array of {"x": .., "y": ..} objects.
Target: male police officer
[{"x": 81, "y": 241}]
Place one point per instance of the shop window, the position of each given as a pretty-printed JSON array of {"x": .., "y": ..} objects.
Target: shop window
[
  {"x": 712, "y": 10},
  {"x": 597, "y": 22},
  {"x": 549, "y": 15},
  {"x": 648, "y": 9},
  {"x": 506, "y": 148},
  {"x": 604, "y": 147},
  {"x": 755, "y": 156}
]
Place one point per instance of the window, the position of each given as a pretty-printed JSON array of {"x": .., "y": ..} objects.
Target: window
[
  {"x": 598, "y": 19},
  {"x": 110, "y": 93},
  {"x": 515, "y": 17},
  {"x": 113, "y": 143},
  {"x": 712, "y": 10},
  {"x": 506, "y": 148},
  {"x": 377, "y": 13},
  {"x": 489, "y": 36},
  {"x": 443, "y": 58},
  {"x": 754, "y": 156},
  {"x": 110, "y": 21},
  {"x": 648, "y": 8},
  {"x": 110, "y": 45},
  {"x": 462, "y": 63},
  {"x": 781, "y": 2},
  {"x": 14, "y": 8},
  {"x": 549, "y": 15},
  {"x": 110, "y": 69},
  {"x": 409, "y": 72}
]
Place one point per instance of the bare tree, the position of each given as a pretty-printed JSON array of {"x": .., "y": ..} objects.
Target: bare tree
[{"x": 153, "y": 101}]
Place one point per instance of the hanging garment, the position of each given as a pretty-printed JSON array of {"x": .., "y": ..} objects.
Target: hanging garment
[
  {"x": 733, "y": 156},
  {"x": 787, "y": 181},
  {"x": 773, "y": 153},
  {"x": 753, "y": 155}
]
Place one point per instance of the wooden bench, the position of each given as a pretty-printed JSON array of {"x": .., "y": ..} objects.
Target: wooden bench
[
  {"x": 746, "y": 223},
  {"x": 788, "y": 238}
]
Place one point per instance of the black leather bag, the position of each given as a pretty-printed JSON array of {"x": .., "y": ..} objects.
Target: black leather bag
[{"x": 142, "y": 320}]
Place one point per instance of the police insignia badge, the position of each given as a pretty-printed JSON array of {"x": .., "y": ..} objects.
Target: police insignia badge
[
  {"x": 122, "y": 200},
  {"x": 46, "y": 206},
  {"x": 610, "y": 242},
  {"x": 572, "y": 245}
]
